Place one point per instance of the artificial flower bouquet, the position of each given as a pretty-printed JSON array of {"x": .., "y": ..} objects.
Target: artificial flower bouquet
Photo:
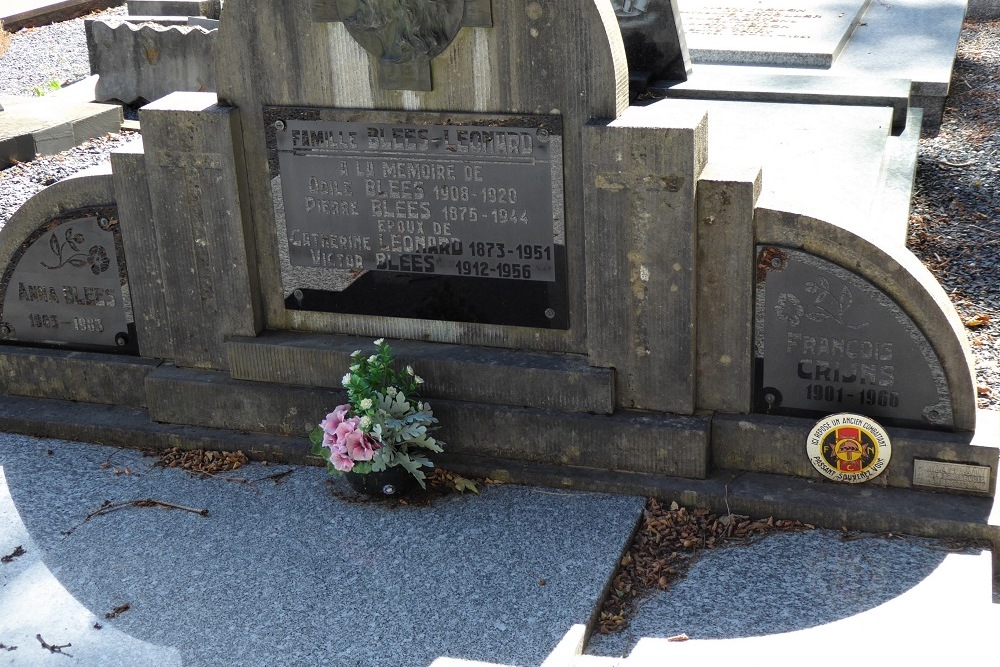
[{"x": 383, "y": 425}]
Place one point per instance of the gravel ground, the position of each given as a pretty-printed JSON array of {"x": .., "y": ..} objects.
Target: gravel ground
[
  {"x": 39, "y": 56},
  {"x": 955, "y": 225}
]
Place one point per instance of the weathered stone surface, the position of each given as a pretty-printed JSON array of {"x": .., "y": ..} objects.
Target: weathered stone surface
[
  {"x": 725, "y": 198},
  {"x": 74, "y": 376},
  {"x": 522, "y": 65},
  {"x": 769, "y": 444},
  {"x": 207, "y": 8},
  {"x": 30, "y": 126},
  {"x": 532, "y": 379},
  {"x": 660, "y": 444},
  {"x": 198, "y": 198},
  {"x": 142, "y": 246},
  {"x": 641, "y": 170},
  {"x": 149, "y": 61}
]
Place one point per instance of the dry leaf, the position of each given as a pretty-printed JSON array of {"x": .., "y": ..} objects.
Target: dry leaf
[
  {"x": 678, "y": 638},
  {"x": 984, "y": 390},
  {"x": 977, "y": 321}
]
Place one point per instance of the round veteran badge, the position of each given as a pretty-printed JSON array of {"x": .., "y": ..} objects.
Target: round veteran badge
[{"x": 849, "y": 448}]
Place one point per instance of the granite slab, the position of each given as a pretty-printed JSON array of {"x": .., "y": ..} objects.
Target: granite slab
[
  {"x": 813, "y": 592},
  {"x": 775, "y": 32},
  {"x": 290, "y": 571}
]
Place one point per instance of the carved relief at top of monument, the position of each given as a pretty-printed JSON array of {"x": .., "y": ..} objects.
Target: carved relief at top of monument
[{"x": 404, "y": 35}]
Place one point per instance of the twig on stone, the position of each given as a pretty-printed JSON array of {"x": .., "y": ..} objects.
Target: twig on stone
[
  {"x": 52, "y": 648},
  {"x": 16, "y": 553},
  {"x": 120, "y": 609},
  {"x": 108, "y": 507},
  {"x": 143, "y": 502}
]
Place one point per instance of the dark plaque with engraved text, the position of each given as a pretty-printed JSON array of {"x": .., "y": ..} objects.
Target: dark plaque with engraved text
[
  {"x": 432, "y": 218},
  {"x": 67, "y": 286},
  {"x": 828, "y": 341}
]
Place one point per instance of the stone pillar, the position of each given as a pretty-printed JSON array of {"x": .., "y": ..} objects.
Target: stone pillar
[
  {"x": 640, "y": 240},
  {"x": 726, "y": 199},
  {"x": 194, "y": 258}
]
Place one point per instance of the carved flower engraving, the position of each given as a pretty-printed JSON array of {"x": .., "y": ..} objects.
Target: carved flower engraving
[{"x": 789, "y": 309}]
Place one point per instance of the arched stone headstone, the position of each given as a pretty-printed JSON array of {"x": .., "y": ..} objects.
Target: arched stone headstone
[{"x": 64, "y": 281}]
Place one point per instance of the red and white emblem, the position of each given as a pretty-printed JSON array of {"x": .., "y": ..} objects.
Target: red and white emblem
[{"x": 849, "y": 448}]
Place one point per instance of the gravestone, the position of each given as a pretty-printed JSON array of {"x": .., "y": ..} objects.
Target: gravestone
[
  {"x": 67, "y": 285},
  {"x": 777, "y": 32},
  {"x": 602, "y": 295},
  {"x": 828, "y": 341}
]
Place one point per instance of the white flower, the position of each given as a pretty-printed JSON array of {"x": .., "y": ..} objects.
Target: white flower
[
  {"x": 355, "y": 368},
  {"x": 418, "y": 379},
  {"x": 366, "y": 422},
  {"x": 391, "y": 391},
  {"x": 372, "y": 359},
  {"x": 366, "y": 404},
  {"x": 346, "y": 379},
  {"x": 379, "y": 341},
  {"x": 409, "y": 370},
  {"x": 356, "y": 353}
]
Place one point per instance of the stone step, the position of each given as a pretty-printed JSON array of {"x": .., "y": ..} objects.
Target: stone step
[
  {"x": 550, "y": 381},
  {"x": 39, "y": 126},
  {"x": 643, "y": 442},
  {"x": 732, "y": 84}
]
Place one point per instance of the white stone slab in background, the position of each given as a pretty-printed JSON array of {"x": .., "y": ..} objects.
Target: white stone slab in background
[{"x": 773, "y": 32}]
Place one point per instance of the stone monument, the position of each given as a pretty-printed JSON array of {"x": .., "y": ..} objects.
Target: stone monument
[{"x": 598, "y": 295}]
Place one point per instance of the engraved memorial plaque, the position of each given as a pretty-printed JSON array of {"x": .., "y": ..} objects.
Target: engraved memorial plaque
[
  {"x": 775, "y": 32},
  {"x": 67, "y": 286},
  {"x": 432, "y": 219},
  {"x": 951, "y": 476},
  {"x": 827, "y": 340}
]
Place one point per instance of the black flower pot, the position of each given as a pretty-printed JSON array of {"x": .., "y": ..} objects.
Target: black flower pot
[{"x": 392, "y": 481}]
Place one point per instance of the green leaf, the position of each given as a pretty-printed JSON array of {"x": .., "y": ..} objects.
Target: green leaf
[
  {"x": 462, "y": 485},
  {"x": 362, "y": 467}
]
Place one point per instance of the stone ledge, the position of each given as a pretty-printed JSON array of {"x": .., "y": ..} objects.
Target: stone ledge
[
  {"x": 794, "y": 89},
  {"x": 74, "y": 376},
  {"x": 532, "y": 379},
  {"x": 39, "y": 126},
  {"x": 767, "y": 444},
  {"x": 662, "y": 444}
]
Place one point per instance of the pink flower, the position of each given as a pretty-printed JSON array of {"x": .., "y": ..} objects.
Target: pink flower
[
  {"x": 345, "y": 428},
  {"x": 335, "y": 418},
  {"x": 359, "y": 446},
  {"x": 341, "y": 460}
]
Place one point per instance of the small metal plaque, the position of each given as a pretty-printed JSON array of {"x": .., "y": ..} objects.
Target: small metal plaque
[
  {"x": 953, "y": 476},
  {"x": 67, "y": 286},
  {"x": 439, "y": 202},
  {"x": 827, "y": 340}
]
